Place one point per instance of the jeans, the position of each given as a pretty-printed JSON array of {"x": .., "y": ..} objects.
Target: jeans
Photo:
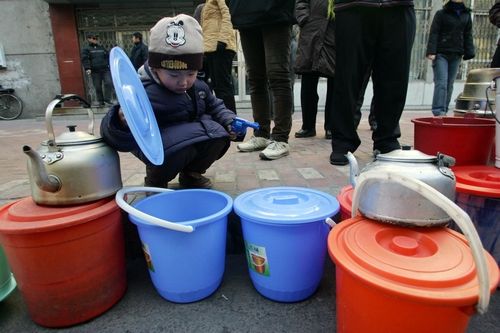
[
  {"x": 445, "y": 68},
  {"x": 267, "y": 57}
]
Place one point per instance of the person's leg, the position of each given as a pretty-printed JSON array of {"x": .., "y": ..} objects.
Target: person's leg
[
  {"x": 453, "y": 65},
  {"x": 309, "y": 102},
  {"x": 220, "y": 64},
  {"x": 276, "y": 40},
  {"x": 440, "y": 70},
  {"x": 390, "y": 73},
  {"x": 253, "y": 51},
  {"x": 108, "y": 87},
  {"x": 495, "y": 62},
  {"x": 328, "y": 108},
  {"x": 97, "y": 83},
  {"x": 354, "y": 50},
  {"x": 359, "y": 103}
]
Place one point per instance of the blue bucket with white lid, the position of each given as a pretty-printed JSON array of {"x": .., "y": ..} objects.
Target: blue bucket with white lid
[
  {"x": 183, "y": 235},
  {"x": 285, "y": 231}
]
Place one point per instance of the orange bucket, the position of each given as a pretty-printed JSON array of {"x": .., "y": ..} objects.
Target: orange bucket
[
  {"x": 69, "y": 262},
  {"x": 408, "y": 280},
  {"x": 345, "y": 201}
]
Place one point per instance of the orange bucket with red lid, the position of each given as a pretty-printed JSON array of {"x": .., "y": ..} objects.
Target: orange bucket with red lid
[
  {"x": 399, "y": 279},
  {"x": 69, "y": 262}
]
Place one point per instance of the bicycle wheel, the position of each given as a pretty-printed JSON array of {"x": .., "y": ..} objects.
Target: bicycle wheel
[{"x": 11, "y": 107}]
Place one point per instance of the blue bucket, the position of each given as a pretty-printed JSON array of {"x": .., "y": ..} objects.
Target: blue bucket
[
  {"x": 285, "y": 231},
  {"x": 186, "y": 255}
]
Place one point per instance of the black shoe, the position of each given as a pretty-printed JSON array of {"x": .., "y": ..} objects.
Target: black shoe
[
  {"x": 328, "y": 134},
  {"x": 193, "y": 180},
  {"x": 338, "y": 159},
  {"x": 305, "y": 133}
]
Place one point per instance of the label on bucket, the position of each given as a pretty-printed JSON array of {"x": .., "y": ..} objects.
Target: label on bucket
[
  {"x": 147, "y": 255},
  {"x": 257, "y": 259}
]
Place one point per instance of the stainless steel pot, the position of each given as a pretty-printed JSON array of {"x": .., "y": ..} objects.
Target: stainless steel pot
[
  {"x": 74, "y": 168},
  {"x": 393, "y": 203}
]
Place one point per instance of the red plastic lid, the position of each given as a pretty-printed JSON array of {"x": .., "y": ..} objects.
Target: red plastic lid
[
  {"x": 431, "y": 264},
  {"x": 479, "y": 180},
  {"x": 25, "y": 216}
]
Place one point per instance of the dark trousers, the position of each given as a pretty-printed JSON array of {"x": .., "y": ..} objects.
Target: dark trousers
[
  {"x": 197, "y": 157},
  {"x": 495, "y": 63},
  {"x": 220, "y": 64},
  {"x": 267, "y": 57},
  {"x": 100, "y": 79},
  {"x": 381, "y": 38},
  {"x": 309, "y": 101}
]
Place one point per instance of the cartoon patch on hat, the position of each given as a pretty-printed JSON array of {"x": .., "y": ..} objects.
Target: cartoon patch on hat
[{"x": 175, "y": 34}]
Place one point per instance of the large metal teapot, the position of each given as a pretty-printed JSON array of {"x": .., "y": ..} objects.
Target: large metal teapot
[
  {"x": 76, "y": 167},
  {"x": 389, "y": 201}
]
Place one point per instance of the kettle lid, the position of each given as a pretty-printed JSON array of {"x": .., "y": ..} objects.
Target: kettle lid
[
  {"x": 73, "y": 137},
  {"x": 406, "y": 154}
]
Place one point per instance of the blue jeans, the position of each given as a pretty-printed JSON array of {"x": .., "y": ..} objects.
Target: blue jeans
[{"x": 445, "y": 69}]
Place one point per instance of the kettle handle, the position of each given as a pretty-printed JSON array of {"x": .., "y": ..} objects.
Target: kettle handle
[
  {"x": 455, "y": 212},
  {"x": 120, "y": 201},
  {"x": 50, "y": 110}
]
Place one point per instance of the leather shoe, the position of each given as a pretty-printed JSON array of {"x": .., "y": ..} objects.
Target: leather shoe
[
  {"x": 328, "y": 134},
  {"x": 305, "y": 133},
  {"x": 338, "y": 159}
]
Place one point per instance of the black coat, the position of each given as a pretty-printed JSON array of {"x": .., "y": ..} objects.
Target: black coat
[
  {"x": 343, "y": 4},
  {"x": 451, "y": 33},
  {"x": 95, "y": 57},
  {"x": 246, "y": 14},
  {"x": 139, "y": 55},
  {"x": 316, "y": 46},
  {"x": 182, "y": 119}
]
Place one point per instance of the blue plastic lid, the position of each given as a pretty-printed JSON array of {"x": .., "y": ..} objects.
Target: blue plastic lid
[
  {"x": 285, "y": 205},
  {"x": 136, "y": 107}
]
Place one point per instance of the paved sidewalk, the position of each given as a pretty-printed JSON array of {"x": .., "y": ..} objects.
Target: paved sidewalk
[{"x": 236, "y": 306}]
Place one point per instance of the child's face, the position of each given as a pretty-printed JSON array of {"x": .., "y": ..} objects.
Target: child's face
[{"x": 177, "y": 81}]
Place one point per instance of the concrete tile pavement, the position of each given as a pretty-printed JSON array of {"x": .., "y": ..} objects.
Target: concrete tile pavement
[{"x": 236, "y": 172}]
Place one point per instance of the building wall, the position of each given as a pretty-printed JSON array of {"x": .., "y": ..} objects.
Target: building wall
[{"x": 30, "y": 54}]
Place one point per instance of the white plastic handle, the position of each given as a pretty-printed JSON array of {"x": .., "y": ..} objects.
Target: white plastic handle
[
  {"x": 331, "y": 223},
  {"x": 455, "y": 212},
  {"x": 120, "y": 201}
]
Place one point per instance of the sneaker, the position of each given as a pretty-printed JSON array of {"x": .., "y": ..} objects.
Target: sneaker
[
  {"x": 193, "y": 179},
  {"x": 275, "y": 150},
  {"x": 255, "y": 143}
]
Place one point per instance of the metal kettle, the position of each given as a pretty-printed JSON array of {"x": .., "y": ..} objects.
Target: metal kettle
[
  {"x": 75, "y": 167},
  {"x": 390, "y": 201}
]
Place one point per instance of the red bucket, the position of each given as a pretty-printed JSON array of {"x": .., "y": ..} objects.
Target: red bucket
[
  {"x": 345, "y": 201},
  {"x": 469, "y": 140},
  {"x": 69, "y": 262}
]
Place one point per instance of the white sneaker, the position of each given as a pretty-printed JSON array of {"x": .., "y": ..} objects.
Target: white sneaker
[
  {"x": 275, "y": 150},
  {"x": 255, "y": 143}
]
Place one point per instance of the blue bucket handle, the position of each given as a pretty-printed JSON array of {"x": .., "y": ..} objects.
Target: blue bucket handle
[
  {"x": 331, "y": 223},
  {"x": 120, "y": 201}
]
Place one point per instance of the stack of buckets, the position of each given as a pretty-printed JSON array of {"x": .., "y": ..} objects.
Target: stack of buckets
[{"x": 184, "y": 245}]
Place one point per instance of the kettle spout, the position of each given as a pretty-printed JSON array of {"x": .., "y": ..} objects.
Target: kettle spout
[
  {"x": 353, "y": 168},
  {"x": 46, "y": 182}
]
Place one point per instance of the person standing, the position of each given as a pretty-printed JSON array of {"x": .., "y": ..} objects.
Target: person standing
[
  {"x": 315, "y": 59},
  {"x": 494, "y": 15},
  {"x": 450, "y": 39},
  {"x": 377, "y": 35},
  {"x": 265, "y": 28},
  {"x": 95, "y": 61},
  {"x": 220, "y": 48},
  {"x": 139, "y": 53}
]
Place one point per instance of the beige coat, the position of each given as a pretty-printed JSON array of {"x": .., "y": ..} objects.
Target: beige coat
[{"x": 217, "y": 26}]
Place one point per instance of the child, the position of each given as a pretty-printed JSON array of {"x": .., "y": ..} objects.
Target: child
[{"x": 194, "y": 125}]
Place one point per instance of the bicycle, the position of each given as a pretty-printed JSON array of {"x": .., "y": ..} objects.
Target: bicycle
[{"x": 11, "y": 106}]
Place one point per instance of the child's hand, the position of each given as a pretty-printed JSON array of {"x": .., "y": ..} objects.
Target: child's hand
[
  {"x": 122, "y": 118},
  {"x": 232, "y": 134}
]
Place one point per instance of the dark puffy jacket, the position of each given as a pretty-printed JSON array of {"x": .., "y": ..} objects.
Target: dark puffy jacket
[
  {"x": 450, "y": 33},
  {"x": 316, "y": 47},
  {"x": 139, "y": 55},
  {"x": 95, "y": 57},
  {"x": 180, "y": 122},
  {"x": 494, "y": 15},
  {"x": 247, "y": 14},
  {"x": 343, "y": 4}
]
